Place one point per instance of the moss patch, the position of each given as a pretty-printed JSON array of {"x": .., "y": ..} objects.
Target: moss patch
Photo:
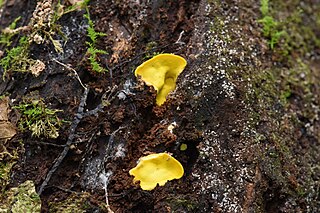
[
  {"x": 75, "y": 203},
  {"x": 21, "y": 199}
]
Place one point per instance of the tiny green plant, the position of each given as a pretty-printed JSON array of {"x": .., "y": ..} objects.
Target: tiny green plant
[
  {"x": 271, "y": 27},
  {"x": 264, "y": 8},
  {"x": 17, "y": 58},
  {"x": 43, "y": 27},
  {"x": 8, "y": 33},
  {"x": 151, "y": 54},
  {"x": 150, "y": 50},
  {"x": 1, "y": 3},
  {"x": 38, "y": 119},
  {"x": 93, "y": 51}
]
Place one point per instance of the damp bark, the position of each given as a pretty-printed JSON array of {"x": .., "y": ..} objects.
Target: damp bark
[{"x": 246, "y": 115}]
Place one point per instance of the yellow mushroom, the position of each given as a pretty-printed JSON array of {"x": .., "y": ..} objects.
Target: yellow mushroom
[
  {"x": 162, "y": 72},
  {"x": 156, "y": 169}
]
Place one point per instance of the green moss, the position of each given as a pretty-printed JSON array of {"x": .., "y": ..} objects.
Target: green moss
[
  {"x": 273, "y": 87},
  {"x": 38, "y": 119},
  {"x": 274, "y": 93},
  {"x": 272, "y": 29},
  {"x": 5, "y": 171},
  {"x": 180, "y": 204},
  {"x": 17, "y": 59},
  {"x": 6, "y": 35},
  {"x": 300, "y": 24},
  {"x": 21, "y": 199},
  {"x": 42, "y": 27},
  {"x": 264, "y": 8},
  {"x": 76, "y": 203},
  {"x": 150, "y": 49}
]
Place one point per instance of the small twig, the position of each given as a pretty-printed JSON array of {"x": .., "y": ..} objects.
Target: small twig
[
  {"x": 109, "y": 98},
  {"x": 45, "y": 143},
  {"x": 67, "y": 190},
  {"x": 4, "y": 151},
  {"x": 110, "y": 142},
  {"x": 105, "y": 178},
  {"x": 63, "y": 154},
  {"x": 110, "y": 72},
  {"x": 7, "y": 30},
  {"x": 104, "y": 102},
  {"x": 58, "y": 145},
  {"x": 71, "y": 69},
  {"x": 79, "y": 115},
  {"x": 88, "y": 149},
  {"x": 179, "y": 39}
]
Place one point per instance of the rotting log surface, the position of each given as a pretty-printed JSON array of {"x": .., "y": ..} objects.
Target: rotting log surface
[{"x": 248, "y": 114}]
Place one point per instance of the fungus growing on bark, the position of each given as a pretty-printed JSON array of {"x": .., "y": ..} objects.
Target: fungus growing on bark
[
  {"x": 156, "y": 169},
  {"x": 161, "y": 72}
]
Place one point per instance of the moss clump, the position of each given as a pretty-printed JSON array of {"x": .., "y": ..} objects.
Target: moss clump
[
  {"x": 17, "y": 59},
  {"x": 182, "y": 204},
  {"x": 73, "y": 204},
  {"x": 8, "y": 33},
  {"x": 299, "y": 22},
  {"x": 5, "y": 169},
  {"x": 8, "y": 158},
  {"x": 21, "y": 199},
  {"x": 284, "y": 103},
  {"x": 271, "y": 28},
  {"x": 38, "y": 119}
]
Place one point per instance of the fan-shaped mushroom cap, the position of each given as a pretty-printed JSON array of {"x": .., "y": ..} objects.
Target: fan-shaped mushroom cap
[
  {"x": 156, "y": 169},
  {"x": 162, "y": 72}
]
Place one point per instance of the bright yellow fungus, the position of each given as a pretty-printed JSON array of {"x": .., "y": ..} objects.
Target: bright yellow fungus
[
  {"x": 156, "y": 169},
  {"x": 162, "y": 72}
]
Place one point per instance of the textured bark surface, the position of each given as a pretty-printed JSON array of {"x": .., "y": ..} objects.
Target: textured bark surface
[{"x": 248, "y": 113}]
